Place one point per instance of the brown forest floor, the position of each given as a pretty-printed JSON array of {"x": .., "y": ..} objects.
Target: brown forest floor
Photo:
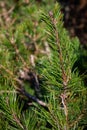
[{"x": 75, "y": 18}]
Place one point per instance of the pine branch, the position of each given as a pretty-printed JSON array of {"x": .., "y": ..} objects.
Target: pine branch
[
  {"x": 36, "y": 61},
  {"x": 57, "y": 73},
  {"x": 64, "y": 75}
]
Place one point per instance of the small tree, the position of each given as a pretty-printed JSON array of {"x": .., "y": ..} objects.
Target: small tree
[{"x": 46, "y": 93}]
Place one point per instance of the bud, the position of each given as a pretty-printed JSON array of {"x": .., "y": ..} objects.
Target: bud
[{"x": 51, "y": 14}]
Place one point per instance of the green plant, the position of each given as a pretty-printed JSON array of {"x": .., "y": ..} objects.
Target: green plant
[{"x": 44, "y": 91}]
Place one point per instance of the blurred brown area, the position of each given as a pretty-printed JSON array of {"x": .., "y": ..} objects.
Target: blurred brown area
[{"x": 75, "y": 18}]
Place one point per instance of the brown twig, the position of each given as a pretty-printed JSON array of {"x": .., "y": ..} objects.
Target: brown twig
[
  {"x": 6, "y": 13},
  {"x": 17, "y": 120},
  {"x": 64, "y": 75},
  {"x": 63, "y": 97},
  {"x": 12, "y": 41},
  {"x": 31, "y": 97},
  {"x": 7, "y": 91},
  {"x": 76, "y": 121}
]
